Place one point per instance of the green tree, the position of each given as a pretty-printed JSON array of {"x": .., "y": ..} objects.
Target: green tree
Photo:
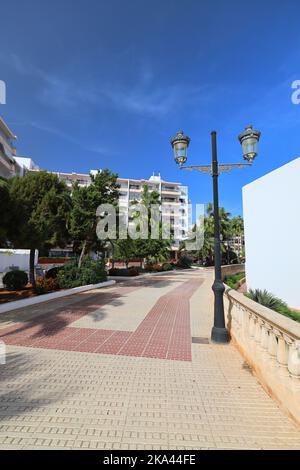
[
  {"x": 151, "y": 249},
  {"x": 40, "y": 210},
  {"x": 102, "y": 190},
  {"x": 207, "y": 251},
  {"x": 125, "y": 250}
]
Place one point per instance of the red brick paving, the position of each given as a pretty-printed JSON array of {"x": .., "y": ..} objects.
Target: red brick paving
[{"x": 164, "y": 333}]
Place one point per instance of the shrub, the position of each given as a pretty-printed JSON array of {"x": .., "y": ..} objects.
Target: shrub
[
  {"x": 53, "y": 272},
  {"x": 265, "y": 298},
  {"x": 44, "y": 285},
  {"x": 184, "y": 262},
  {"x": 148, "y": 268},
  {"x": 15, "y": 279},
  {"x": 132, "y": 271},
  {"x": 233, "y": 280},
  {"x": 90, "y": 272},
  {"x": 167, "y": 267}
]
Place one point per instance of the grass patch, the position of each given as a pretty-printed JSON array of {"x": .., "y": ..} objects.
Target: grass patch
[{"x": 233, "y": 280}]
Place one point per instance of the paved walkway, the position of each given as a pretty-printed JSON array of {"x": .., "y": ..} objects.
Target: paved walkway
[{"x": 131, "y": 367}]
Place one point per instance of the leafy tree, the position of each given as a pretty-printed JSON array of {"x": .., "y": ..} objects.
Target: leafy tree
[
  {"x": 236, "y": 225},
  {"x": 207, "y": 251},
  {"x": 125, "y": 250},
  {"x": 102, "y": 190},
  {"x": 40, "y": 209}
]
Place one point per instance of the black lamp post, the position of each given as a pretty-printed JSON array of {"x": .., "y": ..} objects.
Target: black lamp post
[{"x": 249, "y": 140}]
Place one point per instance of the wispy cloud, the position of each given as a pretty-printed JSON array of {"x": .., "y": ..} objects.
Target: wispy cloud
[{"x": 144, "y": 97}]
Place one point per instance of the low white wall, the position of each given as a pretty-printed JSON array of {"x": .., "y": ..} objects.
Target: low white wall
[
  {"x": 20, "y": 258},
  {"x": 270, "y": 343}
]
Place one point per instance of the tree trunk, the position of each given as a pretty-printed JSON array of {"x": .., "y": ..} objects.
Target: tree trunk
[
  {"x": 83, "y": 249},
  {"x": 31, "y": 268}
]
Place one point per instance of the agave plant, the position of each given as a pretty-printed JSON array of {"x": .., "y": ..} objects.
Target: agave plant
[{"x": 267, "y": 299}]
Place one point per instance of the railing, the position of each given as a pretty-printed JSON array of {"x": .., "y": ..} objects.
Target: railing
[{"x": 270, "y": 343}]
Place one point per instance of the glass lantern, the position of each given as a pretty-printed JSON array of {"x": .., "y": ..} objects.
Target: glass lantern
[
  {"x": 249, "y": 140},
  {"x": 180, "y": 144}
]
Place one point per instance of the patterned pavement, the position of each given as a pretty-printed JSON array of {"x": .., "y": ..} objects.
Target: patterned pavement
[
  {"x": 116, "y": 369},
  {"x": 164, "y": 332}
]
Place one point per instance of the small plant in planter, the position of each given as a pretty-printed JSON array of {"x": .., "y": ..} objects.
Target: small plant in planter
[{"x": 15, "y": 280}]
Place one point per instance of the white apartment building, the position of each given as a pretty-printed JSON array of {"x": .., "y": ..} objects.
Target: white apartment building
[
  {"x": 173, "y": 196},
  {"x": 26, "y": 164},
  {"x": 236, "y": 243},
  {"x": 10, "y": 164}
]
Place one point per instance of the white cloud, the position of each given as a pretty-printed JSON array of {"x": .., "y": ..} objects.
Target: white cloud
[{"x": 143, "y": 97}]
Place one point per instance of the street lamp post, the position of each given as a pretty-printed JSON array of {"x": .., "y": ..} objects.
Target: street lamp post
[{"x": 249, "y": 140}]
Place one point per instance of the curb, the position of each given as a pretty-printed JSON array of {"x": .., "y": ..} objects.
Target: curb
[
  {"x": 141, "y": 276},
  {"x": 53, "y": 295}
]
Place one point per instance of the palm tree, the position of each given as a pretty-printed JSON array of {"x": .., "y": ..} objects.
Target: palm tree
[{"x": 152, "y": 249}]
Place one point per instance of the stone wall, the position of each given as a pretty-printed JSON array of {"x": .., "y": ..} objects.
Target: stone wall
[
  {"x": 270, "y": 343},
  {"x": 230, "y": 269}
]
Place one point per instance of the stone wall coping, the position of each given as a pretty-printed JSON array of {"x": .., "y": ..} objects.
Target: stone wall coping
[{"x": 279, "y": 321}]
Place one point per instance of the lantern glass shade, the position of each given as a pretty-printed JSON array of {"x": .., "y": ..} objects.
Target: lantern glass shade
[
  {"x": 180, "y": 144},
  {"x": 249, "y": 140}
]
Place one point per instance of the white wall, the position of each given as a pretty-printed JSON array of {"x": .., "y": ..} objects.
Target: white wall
[
  {"x": 20, "y": 258},
  {"x": 271, "y": 207}
]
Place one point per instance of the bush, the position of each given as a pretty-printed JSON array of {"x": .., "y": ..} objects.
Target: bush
[
  {"x": 132, "y": 271},
  {"x": 90, "y": 272},
  {"x": 167, "y": 267},
  {"x": 184, "y": 262},
  {"x": 53, "y": 272},
  {"x": 44, "y": 285},
  {"x": 265, "y": 298},
  {"x": 233, "y": 280},
  {"x": 148, "y": 268},
  {"x": 15, "y": 279}
]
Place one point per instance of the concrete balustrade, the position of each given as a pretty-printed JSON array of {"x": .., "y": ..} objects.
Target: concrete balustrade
[{"x": 270, "y": 343}]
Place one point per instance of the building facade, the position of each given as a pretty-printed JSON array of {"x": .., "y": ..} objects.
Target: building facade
[
  {"x": 10, "y": 163},
  {"x": 173, "y": 196},
  {"x": 236, "y": 243}
]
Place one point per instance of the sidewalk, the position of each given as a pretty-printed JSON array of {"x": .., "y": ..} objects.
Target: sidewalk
[{"x": 119, "y": 370}]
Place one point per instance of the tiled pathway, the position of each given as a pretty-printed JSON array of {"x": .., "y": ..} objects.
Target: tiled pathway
[
  {"x": 164, "y": 333},
  {"x": 116, "y": 369}
]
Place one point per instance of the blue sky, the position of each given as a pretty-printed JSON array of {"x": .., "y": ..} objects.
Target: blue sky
[{"x": 94, "y": 84}]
